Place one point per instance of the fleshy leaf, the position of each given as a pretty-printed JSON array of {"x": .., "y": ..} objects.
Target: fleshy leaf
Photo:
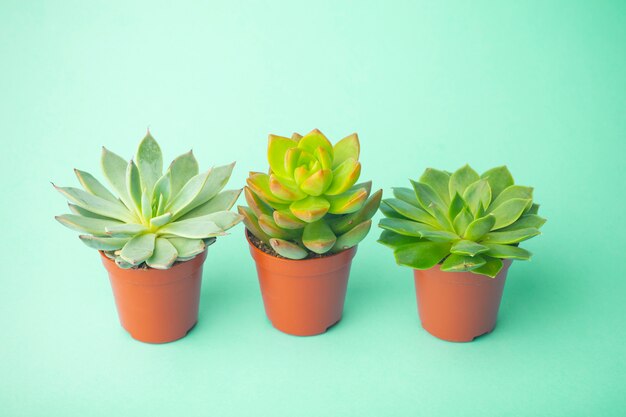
[
  {"x": 252, "y": 224},
  {"x": 114, "y": 169},
  {"x": 462, "y": 263},
  {"x": 255, "y": 203},
  {"x": 491, "y": 268},
  {"x": 181, "y": 170},
  {"x": 317, "y": 182},
  {"x": 511, "y": 236},
  {"x": 285, "y": 189},
  {"x": 514, "y": 191},
  {"x": 456, "y": 205},
  {"x": 406, "y": 194},
  {"x": 314, "y": 139},
  {"x": 348, "y": 202},
  {"x": 161, "y": 220},
  {"x": 287, "y": 220},
  {"x": 133, "y": 185},
  {"x": 527, "y": 220},
  {"x": 128, "y": 229},
  {"x": 477, "y": 195},
  {"x": 411, "y": 212},
  {"x": 86, "y": 213},
  {"x": 427, "y": 197},
  {"x": 310, "y": 209},
  {"x": 318, "y": 237},
  {"x": 138, "y": 249},
  {"x": 467, "y": 247},
  {"x": 344, "y": 176},
  {"x": 86, "y": 224},
  {"x": 195, "y": 228},
  {"x": 276, "y": 152},
  {"x": 461, "y": 179},
  {"x": 269, "y": 226},
  {"x": 352, "y": 237},
  {"x": 499, "y": 178},
  {"x": 93, "y": 186},
  {"x": 149, "y": 162},
  {"x": 405, "y": 227},
  {"x": 216, "y": 180},
  {"x": 479, "y": 228},
  {"x": 223, "y": 201},
  {"x": 509, "y": 211},
  {"x": 260, "y": 184},
  {"x": 164, "y": 254},
  {"x": 395, "y": 240},
  {"x": 346, "y": 148},
  {"x": 507, "y": 252},
  {"x": 439, "y": 181},
  {"x": 288, "y": 249},
  {"x": 96, "y": 204},
  {"x": 187, "y": 248},
  {"x": 344, "y": 223},
  {"x": 104, "y": 243},
  {"x": 440, "y": 235},
  {"x": 421, "y": 255},
  {"x": 462, "y": 221}
]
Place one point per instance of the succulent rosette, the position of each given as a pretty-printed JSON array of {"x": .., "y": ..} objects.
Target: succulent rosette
[{"x": 310, "y": 201}]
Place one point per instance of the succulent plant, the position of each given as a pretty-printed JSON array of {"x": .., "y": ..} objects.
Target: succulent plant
[
  {"x": 156, "y": 219},
  {"x": 465, "y": 221},
  {"x": 309, "y": 203}
]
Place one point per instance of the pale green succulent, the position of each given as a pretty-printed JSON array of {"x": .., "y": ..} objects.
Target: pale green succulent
[
  {"x": 156, "y": 218},
  {"x": 309, "y": 202},
  {"x": 465, "y": 221}
]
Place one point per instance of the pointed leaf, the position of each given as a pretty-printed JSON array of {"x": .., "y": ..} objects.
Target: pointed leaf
[
  {"x": 427, "y": 197},
  {"x": 462, "y": 221},
  {"x": 462, "y": 263},
  {"x": 223, "y": 201},
  {"x": 149, "y": 162},
  {"x": 406, "y": 194},
  {"x": 317, "y": 182},
  {"x": 461, "y": 179},
  {"x": 345, "y": 149},
  {"x": 388, "y": 211},
  {"x": 477, "y": 195},
  {"x": 287, "y": 220},
  {"x": 182, "y": 169},
  {"x": 440, "y": 236},
  {"x": 223, "y": 219},
  {"x": 456, "y": 205},
  {"x": 324, "y": 158},
  {"x": 527, "y": 220},
  {"x": 285, "y": 189},
  {"x": 133, "y": 185},
  {"x": 86, "y": 224},
  {"x": 93, "y": 186},
  {"x": 164, "y": 254},
  {"x": 491, "y": 268},
  {"x": 343, "y": 224},
  {"x": 86, "y": 213},
  {"x": 269, "y": 227},
  {"x": 114, "y": 169},
  {"x": 195, "y": 228},
  {"x": 216, "y": 180},
  {"x": 479, "y": 228},
  {"x": 509, "y": 211},
  {"x": 161, "y": 220},
  {"x": 439, "y": 181},
  {"x": 395, "y": 240},
  {"x": 411, "y": 212},
  {"x": 126, "y": 229},
  {"x": 511, "y": 236},
  {"x": 421, "y": 255},
  {"x": 499, "y": 178},
  {"x": 96, "y": 204},
  {"x": 352, "y": 237},
  {"x": 104, "y": 243},
  {"x": 514, "y": 191},
  {"x": 260, "y": 184},
  {"x": 533, "y": 209},
  {"x": 344, "y": 176},
  {"x": 313, "y": 140},
  {"x": 507, "y": 251},
  {"x": 187, "y": 248},
  {"x": 405, "y": 227},
  {"x": 163, "y": 187},
  {"x": 467, "y": 247},
  {"x": 348, "y": 202},
  {"x": 318, "y": 237},
  {"x": 252, "y": 224}
]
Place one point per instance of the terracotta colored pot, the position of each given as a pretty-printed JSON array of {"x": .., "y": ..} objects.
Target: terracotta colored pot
[
  {"x": 458, "y": 306},
  {"x": 303, "y": 297},
  {"x": 157, "y": 306}
]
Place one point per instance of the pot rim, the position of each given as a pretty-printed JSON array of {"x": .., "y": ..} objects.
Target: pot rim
[
  {"x": 349, "y": 252},
  {"x": 154, "y": 270}
]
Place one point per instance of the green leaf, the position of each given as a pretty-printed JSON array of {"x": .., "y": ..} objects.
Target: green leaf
[
  {"x": 477, "y": 195},
  {"x": 276, "y": 152},
  {"x": 411, "y": 212},
  {"x": 138, "y": 249},
  {"x": 348, "y": 202},
  {"x": 260, "y": 184},
  {"x": 310, "y": 209},
  {"x": 507, "y": 251},
  {"x": 421, "y": 255},
  {"x": 187, "y": 195},
  {"x": 223, "y": 219},
  {"x": 252, "y": 224},
  {"x": 146, "y": 205},
  {"x": 196, "y": 228},
  {"x": 344, "y": 223},
  {"x": 133, "y": 185},
  {"x": 314, "y": 139},
  {"x": 318, "y": 237},
  {"x": 456, "y": 205},
  {"x": 161, "y": 220},
  {"x": 462, "y": 221},
  {"x": 163, "y": 187},
  {"x": 511, "y": 236},
  {"x": 182, "y": 169},
  {"x": 461, "y": 179},
  {"x": 467, "y": 247},
  {"x": 164, "y": 254},
  {"x": 352, "y": 237},
  {"x": 440, "y": 236},
  {"x": 499, "y": 178},
  {"x": 288, "y": 249},
  {"x": 128, "y": 229},
  {"x": 345, "y": 149},
  {"x": 86, "y": 224},
  {"x": 96, "y": 204},
  {"x": 479, "y": 228},
  {"x": 149, "y": 162},
  {"x": 316, "y": 183},
  {"x": 427, "y": 197},
  {"x": 93, "y": 186},
  {"x": 395, "y": 240},
  {"x": 187, "y": 248},
  {"x": 439, "y": 181},
  {"x": 388, "y": 211},
  {"x": 491, "y": 268},
  {"x": 114, "y": 169},
  {"x": 344, "y": 176},
  {"x": 215, "y": 182},
  {"x": 509, "y": 211},
  {"x": 405, "y": 227},
  {"x": 527, "y": 220},
  {"x": 223, "y": 201},
  {"x": 533, "y": 209},
  {"x": 462, "y": 263},
  {"x": 256, "y": 204},
  {"x": 514, "y": 191},
  {"x": 287, "y": 220},
  {"x": 269, "y": 226},
  {"x": 104, "y": 243},
  {"x": 86, "y": 213},
  {"x": 406, "y": 194}
]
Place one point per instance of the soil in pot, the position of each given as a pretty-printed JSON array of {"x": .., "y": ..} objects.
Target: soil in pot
[
  {"x": 458, "y": 306},
  {"x": 303, "y": 297},
  {"x": 157, "y": 306}
]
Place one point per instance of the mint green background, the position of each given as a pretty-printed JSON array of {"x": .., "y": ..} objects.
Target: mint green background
[{"x": 539, "y": 86}]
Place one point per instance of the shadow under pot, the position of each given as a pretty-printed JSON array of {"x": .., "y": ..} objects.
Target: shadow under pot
[
  {"x": 303, "y": 297},
  {"x": 458, "y": 306},
  {"x": 154, "y": 305}
]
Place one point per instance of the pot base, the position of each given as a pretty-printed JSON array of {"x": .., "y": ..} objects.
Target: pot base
[
  {"x": 159, "y": 341},
  {"x": 302, "y": 332}
]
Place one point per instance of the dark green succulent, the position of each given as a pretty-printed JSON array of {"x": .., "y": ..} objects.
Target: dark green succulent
[{"x": 463, "y": 220}]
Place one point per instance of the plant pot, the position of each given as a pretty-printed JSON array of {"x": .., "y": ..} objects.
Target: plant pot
[
  {"x": 303, "y": 297},
  {"x": 157, "y": 306},
  {"x": 458, "y": 306}
]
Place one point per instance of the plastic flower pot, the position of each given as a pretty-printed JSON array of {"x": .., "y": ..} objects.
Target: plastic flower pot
[
  {"x": 303, "y": 297},
  {"x": 154, "y": 305},
  {"x": 458, "y": 306}
]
